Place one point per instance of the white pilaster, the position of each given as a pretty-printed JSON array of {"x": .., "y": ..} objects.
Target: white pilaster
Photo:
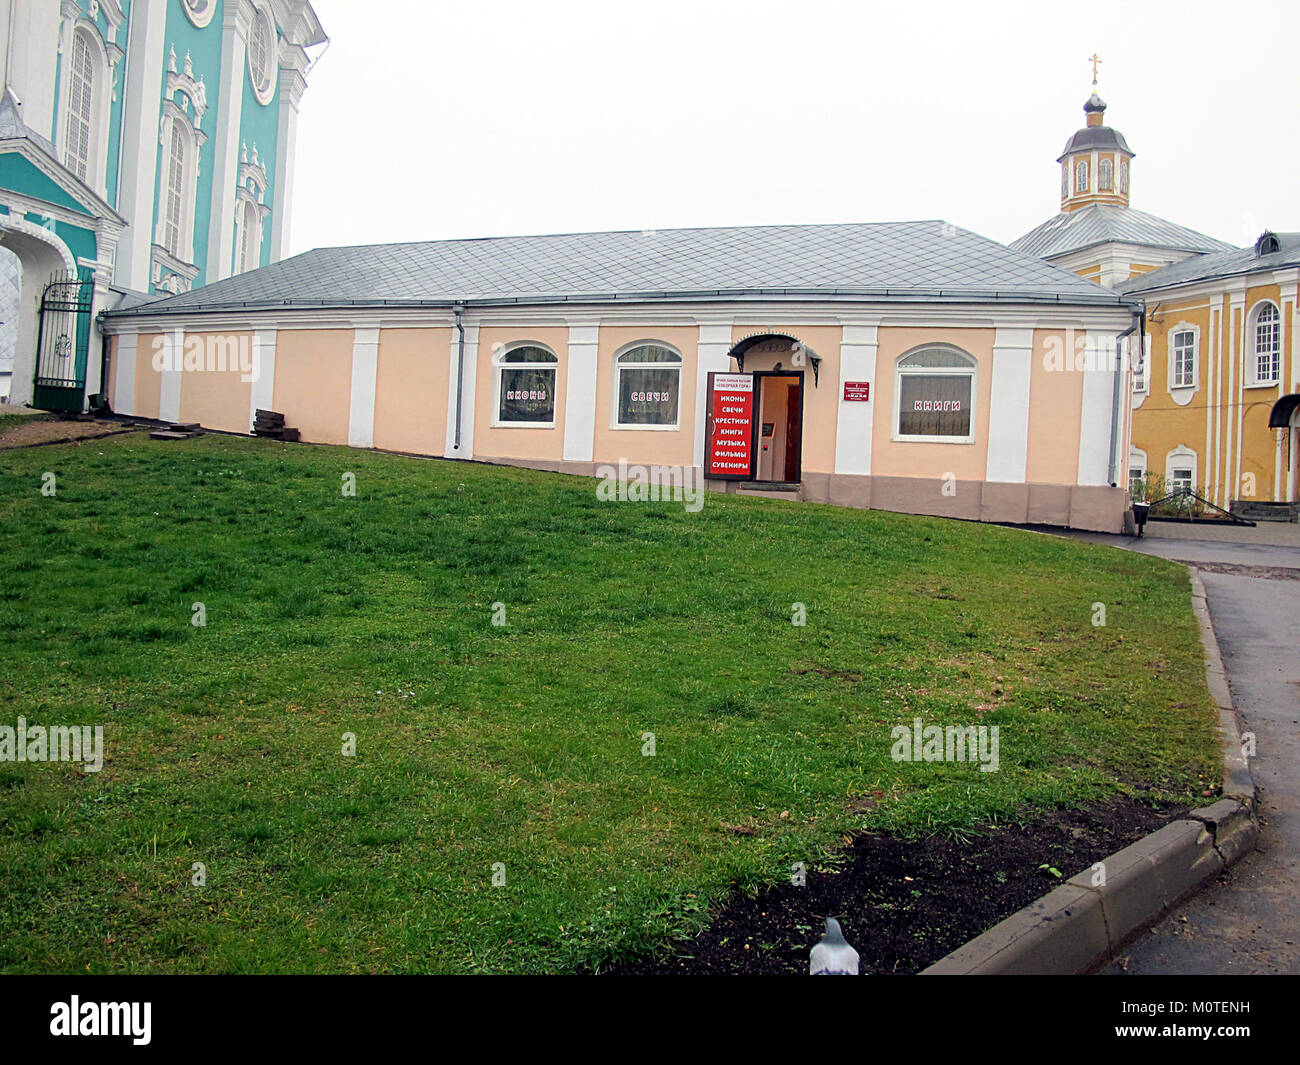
[
  {"x": 169, "y": 388},
  {"x": 711, "y": 357},
  {"x": 466, "y": 449},
  {"x": 857, "y": 419},
  {"x": 1094, "y": 426},
  {"x": 580, "y": 394},
  {"x": 141, "y": 109},
  {"x": 292, "y": 85},
  {"x": 261, "y": 391},
  {"x": 1008, "y": 453},
  {"x": 235, "y": 26},
  {"x": 365, "y": 371},
  {"x": 127, "y": 346}
]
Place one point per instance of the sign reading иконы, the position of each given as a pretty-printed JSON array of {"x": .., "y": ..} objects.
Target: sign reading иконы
[{"x": 731, "y": 426}]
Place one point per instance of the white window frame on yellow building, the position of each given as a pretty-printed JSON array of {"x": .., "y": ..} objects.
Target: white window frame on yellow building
[
  {"x": 1253, "y": 380},
  {"x": 1181, "y": 458},
  {"x": 1190, "y": 385}
]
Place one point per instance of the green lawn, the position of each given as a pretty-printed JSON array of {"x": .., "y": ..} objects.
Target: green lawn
[{"x": 521, "y": 744}]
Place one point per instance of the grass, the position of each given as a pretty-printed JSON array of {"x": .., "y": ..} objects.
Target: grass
[{"x": 519, "y": 744}]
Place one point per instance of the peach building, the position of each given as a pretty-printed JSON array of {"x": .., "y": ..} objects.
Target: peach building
[{"x": 909, "y": 366}]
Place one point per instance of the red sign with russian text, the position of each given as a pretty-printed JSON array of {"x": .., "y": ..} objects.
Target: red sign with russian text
[
  {"x": 730, "y": 427},
  {"x": 857, "y": 391}
]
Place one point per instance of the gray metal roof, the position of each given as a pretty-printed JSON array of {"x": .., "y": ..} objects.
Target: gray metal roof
[
  {"x": 887, "y": 260},
  {"x": 1099, "y": 224},
  {"x": 1232, "y": 263},
  {"x": 1090, "y": 137}
]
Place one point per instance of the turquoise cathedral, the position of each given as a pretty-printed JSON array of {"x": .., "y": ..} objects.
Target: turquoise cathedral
[{"x": 146, "y": 148}]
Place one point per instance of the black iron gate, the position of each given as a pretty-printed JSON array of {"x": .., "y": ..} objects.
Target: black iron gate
[{"x": 63, "y": 344}]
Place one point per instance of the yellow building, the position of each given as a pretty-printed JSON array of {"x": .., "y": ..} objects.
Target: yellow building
[{"x": 1216, "y": 392}]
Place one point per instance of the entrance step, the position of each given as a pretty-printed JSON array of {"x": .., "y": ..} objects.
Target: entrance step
[
  {"x": 171, "y": 434},
  {"x": 771, "y": 489},
  {"x": 183, "y": 427},
  {"x": 1258, "y": 510}
]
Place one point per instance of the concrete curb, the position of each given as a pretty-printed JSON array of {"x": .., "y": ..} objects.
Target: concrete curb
[{"x": 1091, "y": 917}]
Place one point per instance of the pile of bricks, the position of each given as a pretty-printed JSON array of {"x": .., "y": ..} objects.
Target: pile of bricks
[
  {"x": 269, "y": 423},
  {"x": 177, "y": 431}
]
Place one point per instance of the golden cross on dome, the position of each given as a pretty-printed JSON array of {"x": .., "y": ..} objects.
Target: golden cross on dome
[{"x": 1094, "y": 59}]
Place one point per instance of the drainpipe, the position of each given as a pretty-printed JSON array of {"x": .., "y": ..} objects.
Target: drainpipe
[
  {"x": 457, "y": 309},
  {"x": 1138, "y": 320}
]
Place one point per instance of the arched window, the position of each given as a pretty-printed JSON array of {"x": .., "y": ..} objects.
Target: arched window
[
  {"x": 80, "y": 113},
  {"x": 1266, "y": 344},
  {"x": 249, "y": 245},
  {"x": 174, "y": 205},
  {"x": 1065, "y": 180},
  {"x": 1081, "y": 177},
  {"x": 1123, "y": 176},
  {"x": 1181, "y": 469},
  {"x": 935, "y": 396},
  {"x": 1137, "y": 472},
  {"x": 526, "y": 386},
  {"x": 647, "y": 387},
  {"x": 1105, "y": 176}
]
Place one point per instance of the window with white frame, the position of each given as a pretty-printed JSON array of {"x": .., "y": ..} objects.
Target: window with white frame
[
  {"x": 174, "y": 206},
  {"x": 647, "y": 387},
  {"x": 1137, "y": 472},
  {"x": 1180, "y": 470},
  {"x": 1105, "y": 176},
  {"x": 1065, "y": 180},
  {"x": 262, "y": 55},
  {"x": 526, "y": 385},
  {"x": 80, "y": 112},
  {"x": 1139, "y": 363},
  {"x": 1123, "y": 176},
  {"x": 1182, "y": 358},
  {"x": 935, "y": 396},
  {"x": 1266, "y": 345},
  {"x": 249, "y": 223},
  {"x": 1081, "y": 176}
]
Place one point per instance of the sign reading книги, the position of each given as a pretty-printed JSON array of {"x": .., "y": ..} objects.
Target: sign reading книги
[{"x": 730, "y": 427}]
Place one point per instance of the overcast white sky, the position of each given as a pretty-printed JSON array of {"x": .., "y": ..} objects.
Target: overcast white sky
[{"x": 428, "y": 119}]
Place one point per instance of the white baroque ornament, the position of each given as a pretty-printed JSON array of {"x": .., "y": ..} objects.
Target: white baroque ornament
[{"x": 200, "y": 12}]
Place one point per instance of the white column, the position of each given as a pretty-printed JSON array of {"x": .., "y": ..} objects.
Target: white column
[
  {"x": 711, "y": 357},
  {"x": 857, "y": 420},
  {"x": 169, "y": 388},
  {"x": 292, "y": 85},
  {"x": 261, "y": 391},
  {"x": 466, "y": 449},
  {"x": 1008, "y": 454},
  {"x": 1094, "y": 426},
  {"x": 580, "y": 394},
  {"x": 124, "y": 357},
  {"x": 141, "y": 109},
  {"x": 1237, "y": 355},
  {"x": 225, "y": 158},
  {"x": 365, "y": 372}
]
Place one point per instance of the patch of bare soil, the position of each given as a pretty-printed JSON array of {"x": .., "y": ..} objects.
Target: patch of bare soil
[
  {"x": 904, "y": 904},
  {"x": 42, "y": 430}
]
